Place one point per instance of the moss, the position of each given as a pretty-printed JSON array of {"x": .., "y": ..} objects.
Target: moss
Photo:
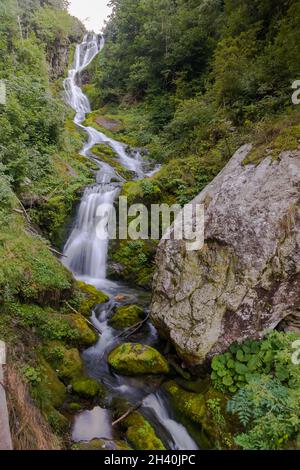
[
  {"x": 50, "y": 390},
  {"x": 57, "y": 192},
  {"x": 137, "y": 260},
  {"x": 47, "y": 323},
  {"x": 107, "y": 155},
  {"x": 86, "y": 336},
  {"x": 207, "y": 411},
  {"x": 30, "y": 271},
  {"x": 50, "y": 394},
  {"x": 278, "y": 139},
  {"x": 98, "y": 120},
  {"x": 99, "y": 444},
  {"x": 86, "y": 387},
  {"x": 135, "y": 359},
  {"x": 126, "y": 316},
  {"x": 91, "y": 298},
  {"x": 141, "y": 434},
  {"x": 67, "y": 362},
  {"x": 74, "y": 407}
]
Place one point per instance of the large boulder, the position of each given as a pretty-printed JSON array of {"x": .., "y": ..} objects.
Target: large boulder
[{"x": 245, "y": 280}]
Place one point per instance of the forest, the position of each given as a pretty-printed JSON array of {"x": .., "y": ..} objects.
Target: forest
[{"x": 183, "y": 84}]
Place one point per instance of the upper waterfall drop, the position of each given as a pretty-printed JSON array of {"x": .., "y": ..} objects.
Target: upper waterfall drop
[
  {"x": 84, "y": 55},
  {"x": 85, "y": 253}
]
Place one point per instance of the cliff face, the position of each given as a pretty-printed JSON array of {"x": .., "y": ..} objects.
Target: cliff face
[{"x": 246, "y": 278}]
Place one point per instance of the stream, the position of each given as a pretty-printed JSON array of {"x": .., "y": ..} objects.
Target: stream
[{"x": 85, "y": 255}]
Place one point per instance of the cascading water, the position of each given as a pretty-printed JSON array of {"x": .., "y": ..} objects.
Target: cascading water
[
  {"x": 84, "y": 253},
  {"x": 86, "y": 256}
]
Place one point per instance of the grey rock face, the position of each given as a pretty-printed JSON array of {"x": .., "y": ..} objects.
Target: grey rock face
[{"x": 246, "y": 278}]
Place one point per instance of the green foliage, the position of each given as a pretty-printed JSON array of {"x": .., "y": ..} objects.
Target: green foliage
[
  {"x": 33, "y": 375},
  {"x": 245, "y": 361},
  {"x": 269, "y": 411}
]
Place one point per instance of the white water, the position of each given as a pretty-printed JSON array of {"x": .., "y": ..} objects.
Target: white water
[
  {"x": 181, "y": 437},
  {"x": 86, "y": 256}
]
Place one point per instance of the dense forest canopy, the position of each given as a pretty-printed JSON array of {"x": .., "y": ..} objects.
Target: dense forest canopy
[
  {"x": 194, "y": 62},
  {"x": 32, "y": 120}
]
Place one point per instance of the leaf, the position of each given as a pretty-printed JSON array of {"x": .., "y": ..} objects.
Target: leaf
[
  {"x": 241, "y": 368},
  {"x": 227, "y": 380}
]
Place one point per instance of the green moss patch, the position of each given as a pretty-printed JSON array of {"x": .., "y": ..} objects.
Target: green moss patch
[
  {"x": 126, "y": 316},
  {"x": 66, "y": 362},
  {"x": 136, "y": 359},
  {"x": 87, "y": 388},
  {"x": 91, "y": 298}
]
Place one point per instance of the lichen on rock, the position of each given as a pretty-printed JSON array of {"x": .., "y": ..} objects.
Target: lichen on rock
[{"x": 245, "y": 280}]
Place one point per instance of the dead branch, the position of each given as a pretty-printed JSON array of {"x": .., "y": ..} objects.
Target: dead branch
[
  {"x": 133, "y": 329},
  {"x": 86, "y": 319},
  {"x": 128, "y": 412}
]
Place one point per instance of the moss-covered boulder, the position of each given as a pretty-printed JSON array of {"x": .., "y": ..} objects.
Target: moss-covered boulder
[
  {"x": 50, "y": 389},
  {"x": 87, "y": 388},
  {"x": 86, "y": 336},
  {"x": 67, "y": 362},
  {"x": 135, "y": 359},
  {"x": 126, "y": 316},
  {"x": 51, "y": 394},
  {"x": 99, "y": 444},
  {"x": 140, "y": 433},
  {"x": 91, "y": 297},
  {"x": 206, "y": 410}
]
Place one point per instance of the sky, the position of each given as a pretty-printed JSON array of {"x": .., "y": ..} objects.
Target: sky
[{"x": 92, "y": 13}]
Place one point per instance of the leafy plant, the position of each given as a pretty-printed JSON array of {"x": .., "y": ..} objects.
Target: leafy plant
[
  {"x": 268, "y": 410},
  {"x": 245, "y": 361}
]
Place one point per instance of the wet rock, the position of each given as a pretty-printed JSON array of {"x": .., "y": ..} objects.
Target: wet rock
[
  {"x": 206, "y": 410},
  {"x": 136, "y": 359},
  {"x": 86, "y": 336},
  {"x": 91, "y": 298},
  {"x": 66, "y": 362},
  {"x": 101, "y": 444},
  {"x": 126, "y": 316},
  {"x": 87, "y": 388},
  {"x": 138, "y": 430},
  {"x": 245, "y": 280}
]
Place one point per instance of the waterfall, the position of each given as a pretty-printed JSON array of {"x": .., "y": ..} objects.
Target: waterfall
[
  {"x": 180, "y": 436},
  {"x": 85, "y": 254}
]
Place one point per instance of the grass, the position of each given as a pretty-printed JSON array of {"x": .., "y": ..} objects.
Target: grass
[{"x": 29, "y": 429}]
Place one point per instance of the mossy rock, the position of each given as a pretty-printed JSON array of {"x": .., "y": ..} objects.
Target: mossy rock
[
  {"x": 136, "y": 359},
  {"x": 207, "y": 410},
  {"x": 91, "y": 297},
  {"x": 67, "y": 362},
  {"x": 50, "y": 392},
  {"x": 140, "y": 433},
  {"x": 99, "y": 444},
  {"x": 87, "y": 388},
  {"x": 86, "y": 336},
  {"x": 74, "y": 407},
  {"x": 126, "y": 316}
]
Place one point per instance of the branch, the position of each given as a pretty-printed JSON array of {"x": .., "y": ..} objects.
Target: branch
[
  {"x": 128, "y": 412},
  {"x": 133, "y": 329},
  {"x": 86, "y": 319}
]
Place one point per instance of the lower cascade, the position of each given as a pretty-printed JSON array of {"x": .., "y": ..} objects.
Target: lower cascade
[{"x": 86, "y": 256}]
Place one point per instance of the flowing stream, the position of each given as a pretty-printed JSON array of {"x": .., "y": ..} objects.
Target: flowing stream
[{"x": 86, "y": 256}]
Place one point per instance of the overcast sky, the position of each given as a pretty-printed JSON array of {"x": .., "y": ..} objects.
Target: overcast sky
[{"x": 92, "y": 13}]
